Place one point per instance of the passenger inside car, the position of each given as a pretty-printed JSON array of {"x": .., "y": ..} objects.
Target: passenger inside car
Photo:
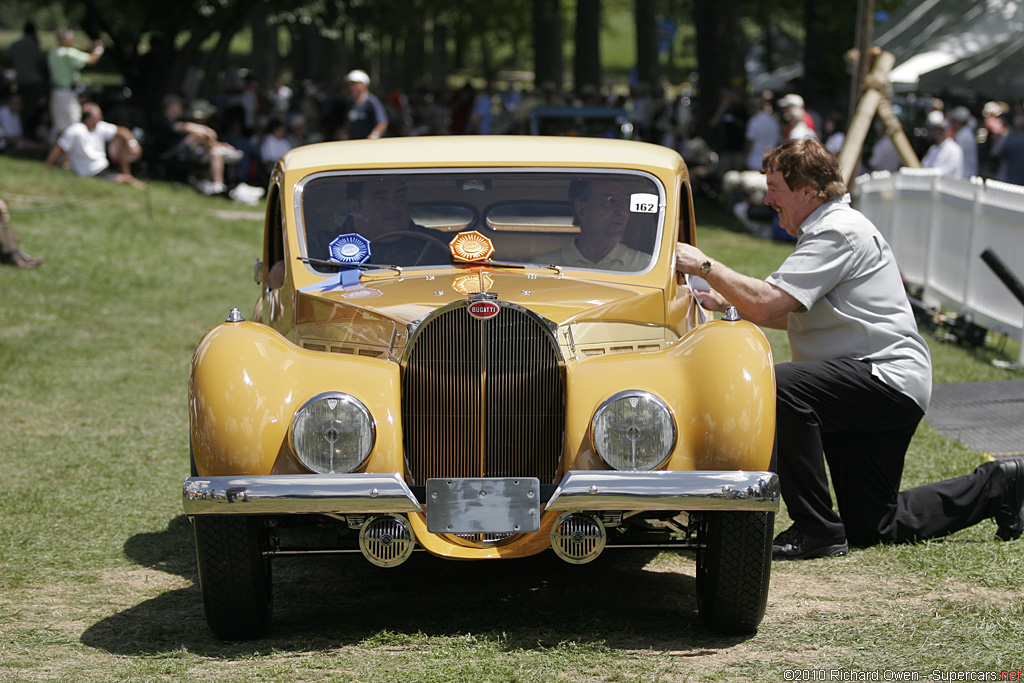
[{"x": 602, "y": 210}]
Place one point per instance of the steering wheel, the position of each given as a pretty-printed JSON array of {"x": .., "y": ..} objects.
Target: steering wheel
[{"x": 395, "y": 235}]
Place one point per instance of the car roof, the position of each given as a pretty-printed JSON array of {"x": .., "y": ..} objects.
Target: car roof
[{"x": 474, "y": 151}]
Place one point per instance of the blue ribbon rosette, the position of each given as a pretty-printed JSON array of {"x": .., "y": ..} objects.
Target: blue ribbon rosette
[{"x": 351, "y": 251}]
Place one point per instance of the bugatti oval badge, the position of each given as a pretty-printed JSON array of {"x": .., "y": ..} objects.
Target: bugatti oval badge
[{"x": 482, "y": 310}]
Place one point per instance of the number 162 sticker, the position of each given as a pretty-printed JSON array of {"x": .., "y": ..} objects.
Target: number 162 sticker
[{"x": 641, "y": 202}]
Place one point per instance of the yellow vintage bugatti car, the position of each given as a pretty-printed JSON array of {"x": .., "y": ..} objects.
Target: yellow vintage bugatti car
[{"x": 479, "y": 348}]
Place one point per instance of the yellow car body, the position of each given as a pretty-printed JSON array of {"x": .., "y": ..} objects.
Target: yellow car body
[{"x": 526, "y": 429}]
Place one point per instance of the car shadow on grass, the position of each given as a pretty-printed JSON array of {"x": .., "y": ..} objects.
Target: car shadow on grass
[{"x": 627, "y": 599}]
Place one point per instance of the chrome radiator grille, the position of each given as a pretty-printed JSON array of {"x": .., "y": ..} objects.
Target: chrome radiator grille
[{"x": 483, "y": 398}]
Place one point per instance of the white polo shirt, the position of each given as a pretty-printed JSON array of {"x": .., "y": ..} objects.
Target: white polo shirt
[
  {"x": 620, "y": 257},
  {"x": 947, "y": 156},
  {"x": 853, "y": 303},
  {"x": 87, "y": 150}
]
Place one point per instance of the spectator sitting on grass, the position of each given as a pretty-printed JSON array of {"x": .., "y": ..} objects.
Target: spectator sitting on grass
[
  {"x": 12, "y": 135},
  {"x": 274, "y": 145},
  {"x": 191, "y": 144},
  {"x": 10, "y": 254},
  {"x": 85, "y": 145}
]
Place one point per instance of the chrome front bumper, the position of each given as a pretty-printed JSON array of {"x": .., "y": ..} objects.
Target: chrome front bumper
[
  {"x": 579, "y": 491},
  {"x": 595, "y": 490}
]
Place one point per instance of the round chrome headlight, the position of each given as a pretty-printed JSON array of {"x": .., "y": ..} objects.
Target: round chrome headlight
[
  {"x": 332, "y": 433},
  {"x": 633, "y": 430}
]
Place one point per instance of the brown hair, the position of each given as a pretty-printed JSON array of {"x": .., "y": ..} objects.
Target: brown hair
[
  {"x": 91, "y": 109},
  {"x": 807, "y": 162}
]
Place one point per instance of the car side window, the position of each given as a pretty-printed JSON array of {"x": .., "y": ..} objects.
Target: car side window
[{"x": 273, "y": 249}]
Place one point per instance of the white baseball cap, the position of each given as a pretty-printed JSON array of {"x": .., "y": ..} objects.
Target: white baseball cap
[
  {"x": 791, "y": 100},
  {"x": 358, "y": 76},
  {"x": 936, "y": 119}
]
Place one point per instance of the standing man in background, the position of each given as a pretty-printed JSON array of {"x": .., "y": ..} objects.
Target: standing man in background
[
  {"x": 366, "y": 118},
  {"x": 962, "y": 128},
  {"x": 798, "y": 124},
  {"x": 945, "y": 155},
  {"x": 730, "y": 125},
  {"x": 66, "y": 64},
  {"x": 480, "y": 119},
  {"x": 29, "y": 62},
  {"x": 763, "y": 132}
]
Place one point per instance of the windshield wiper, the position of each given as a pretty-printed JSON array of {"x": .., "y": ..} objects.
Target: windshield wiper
[
  {"x": 505, "y": 264},
  {"x": 338, "y": 265}
]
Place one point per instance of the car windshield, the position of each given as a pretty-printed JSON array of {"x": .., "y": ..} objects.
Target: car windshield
[{"x": 569, "y": 219}]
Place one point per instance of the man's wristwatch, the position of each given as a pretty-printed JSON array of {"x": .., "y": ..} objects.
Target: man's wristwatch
[{"x": 705, "y": 268}]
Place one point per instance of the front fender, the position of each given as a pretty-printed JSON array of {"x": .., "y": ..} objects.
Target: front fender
[
  {"x": 246, "y": 382},
  {"x": 719, "y": 382}
]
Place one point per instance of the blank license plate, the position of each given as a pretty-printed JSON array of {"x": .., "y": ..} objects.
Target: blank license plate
[{"x": 506, "y": 505}]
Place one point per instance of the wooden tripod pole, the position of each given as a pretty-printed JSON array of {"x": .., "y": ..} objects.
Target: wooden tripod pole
[
  {"x": 894, "y": 129},
  {"x": 857, "y": 132}
]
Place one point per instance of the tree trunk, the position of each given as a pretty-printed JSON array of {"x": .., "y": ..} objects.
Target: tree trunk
[
  {"x": 646, "y": 18},
  {"x": 265, "y": 47},
  {"x": 313, "y": 55},
  {"x": 438, "y": 56},
  {"x": 414, "y": 58},
  {"x": 830, "y": 29},
  {"x": 587, "y": 59},
  {"x": 721, "y": 49},
  {"x": 547, "y": 43}
]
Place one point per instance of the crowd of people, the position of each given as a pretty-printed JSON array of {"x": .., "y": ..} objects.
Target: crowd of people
[
  {"x": 260, "y": 122},
  {"x": 226, "y": 143}
]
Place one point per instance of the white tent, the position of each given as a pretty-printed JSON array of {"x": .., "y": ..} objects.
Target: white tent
[
  {"x": 932, "y": 34},
  {"x": 997, "y": 72}
]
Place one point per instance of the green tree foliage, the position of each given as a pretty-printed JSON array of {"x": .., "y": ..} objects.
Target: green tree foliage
[
  {"x": 154, "y": 45},
  {"x": 420, "y": 43}
]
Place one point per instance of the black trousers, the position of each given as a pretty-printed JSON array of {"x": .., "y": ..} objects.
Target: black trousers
[{"x": 837, "y": 411}]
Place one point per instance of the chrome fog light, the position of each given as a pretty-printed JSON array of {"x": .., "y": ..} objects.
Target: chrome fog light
[
  {"x": 386, "y": 540},
  {"x": 633, "y": 430},
  {"x": 578, "y": 538},
  {"x": 332, "y": 433}
]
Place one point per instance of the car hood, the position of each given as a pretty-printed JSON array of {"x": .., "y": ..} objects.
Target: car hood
[{"x": 371, "y": 311}]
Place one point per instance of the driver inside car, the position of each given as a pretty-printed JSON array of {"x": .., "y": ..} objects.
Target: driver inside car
[{"x": 378, "y": 209}]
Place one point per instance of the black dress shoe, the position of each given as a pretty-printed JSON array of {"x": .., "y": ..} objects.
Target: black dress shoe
[
  {"x": 793, "y": 544},
  {"x": 1010, "y": 515}
]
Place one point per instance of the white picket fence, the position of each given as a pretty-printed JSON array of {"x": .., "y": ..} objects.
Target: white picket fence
[{"x": 938, "y": 227}]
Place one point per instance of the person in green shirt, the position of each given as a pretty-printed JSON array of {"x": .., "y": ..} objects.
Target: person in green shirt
[{"x": 66, "y": 63}]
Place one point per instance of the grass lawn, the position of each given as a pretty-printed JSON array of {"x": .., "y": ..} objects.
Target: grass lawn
[{"x": 97, "y": 569}]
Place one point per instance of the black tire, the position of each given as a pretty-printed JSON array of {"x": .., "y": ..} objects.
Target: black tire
[
  {"x": 734, "y": 568},
  {"x": 234, "y": 576}
]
